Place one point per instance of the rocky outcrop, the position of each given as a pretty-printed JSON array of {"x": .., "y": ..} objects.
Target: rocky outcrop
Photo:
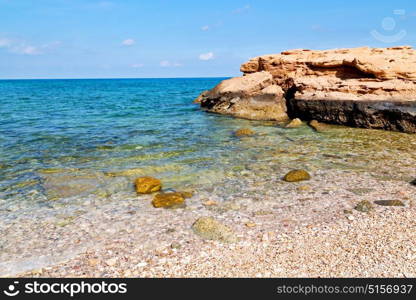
[
  {"x": 253, "y": 96},
  {"x": 361, "y": 87}
]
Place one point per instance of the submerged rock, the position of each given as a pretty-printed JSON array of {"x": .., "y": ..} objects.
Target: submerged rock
[
  {"x": 297, "y": 175},
  {"x": 147, "y": 185},
  {"x": 59, "y": 185},
  {"x": 304, "y": 188},
  {"x": 243, "y": 132},
  {"x": 168, "y": 200},
  {"x": 364, "y": 206},
  {"x": 210, "y": 229},
  {"x": 389, "y": 202},
  {"x": 294, "y": 123},
  {"x": 186, "y": 194},
  {"x": 319, "y": 127},
  {"x": 210, "y": 203}
]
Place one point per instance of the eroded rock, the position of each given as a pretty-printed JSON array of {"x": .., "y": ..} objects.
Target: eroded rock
[
  {"x": 253, "y": 97},
  {"x": 360, "y": 87}
]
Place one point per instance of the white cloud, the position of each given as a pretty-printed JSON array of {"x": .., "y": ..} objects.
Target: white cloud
[
  {"x": 205, "y": 28},
  {"x": 5, "y": 43},
  {"x": 128, "y": 42},
  {"x": 28, "y": 50},
  {"x": 241, "y": 9},
  {"x": 136, "y": 66},
  {"x": 23, "y": 48},
  {"x": 206, "y": 56},
  {"x": 166, "y": 63}
]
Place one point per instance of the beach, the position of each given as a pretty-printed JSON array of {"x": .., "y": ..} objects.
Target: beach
[
  {"x": 315, "y": 237},
  {"x": 68, "y": 206}
]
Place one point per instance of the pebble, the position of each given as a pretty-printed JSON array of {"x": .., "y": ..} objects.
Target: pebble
[
  {"x": 389, "y": 202},
  {"x": 175, "y": 245},
  {"x": 111, "y": 262},
  {"x": 210, "y": 203},
  {"x": 141, "y": 265},
  {"x": 93, "y": 262}
]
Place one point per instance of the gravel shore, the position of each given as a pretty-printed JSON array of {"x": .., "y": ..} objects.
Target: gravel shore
[{"x": 319, "y": 235}]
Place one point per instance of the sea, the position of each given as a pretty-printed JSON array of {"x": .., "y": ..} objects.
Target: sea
[{"x": 72, "y": 143}]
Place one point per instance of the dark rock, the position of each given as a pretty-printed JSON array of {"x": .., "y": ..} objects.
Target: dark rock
[
  {"x": 364, "y": 206},
  {"x": 389, "y": 115},
  {"x": 389, "y": 203}
]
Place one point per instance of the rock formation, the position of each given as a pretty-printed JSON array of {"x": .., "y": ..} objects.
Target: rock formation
[
  {"x": 253, "y": 96},
  {"x": 361, "y": 87}
]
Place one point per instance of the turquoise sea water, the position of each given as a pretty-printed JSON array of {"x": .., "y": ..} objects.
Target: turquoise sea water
[
  {"x": 71, "y": 149},
  {"x": 100, "y": 125},
  {"x": 65, "y": 138}
]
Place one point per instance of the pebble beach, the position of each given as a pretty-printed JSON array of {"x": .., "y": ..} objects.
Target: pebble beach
[
  {"x": 73, "y": 211},
  {"x": 318, "y": 233}
]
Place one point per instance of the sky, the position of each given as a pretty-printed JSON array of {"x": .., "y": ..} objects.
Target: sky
[{"x": 181, "y": 38}]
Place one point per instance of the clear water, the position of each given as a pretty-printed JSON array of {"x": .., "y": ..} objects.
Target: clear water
[
  {"x": 71, "y": 149},
  {"x": 65, "y": 138}
]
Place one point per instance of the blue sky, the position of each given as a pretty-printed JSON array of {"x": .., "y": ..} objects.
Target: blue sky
[{"x": 155, "y": 38}]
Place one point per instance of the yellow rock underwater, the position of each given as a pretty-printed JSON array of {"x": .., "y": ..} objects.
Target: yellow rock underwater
[
  {"x": 168, "y": 200},
  {"x": 147, "y": 185},
  {"x": 244, "y": 132},
  {"x": 297, "y": 175}
]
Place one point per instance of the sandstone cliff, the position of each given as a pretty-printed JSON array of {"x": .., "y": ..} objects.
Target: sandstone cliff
[{"x": 363, "y": 87}]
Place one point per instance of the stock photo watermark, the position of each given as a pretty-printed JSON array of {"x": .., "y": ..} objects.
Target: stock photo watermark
[
  {"x": 390, "y": 33},
  {"x": 71, "y": 289}
]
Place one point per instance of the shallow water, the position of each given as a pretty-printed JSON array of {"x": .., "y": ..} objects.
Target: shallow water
[
  {"x": 63, "y": 138},
  {"x": 66, "y": 144}
]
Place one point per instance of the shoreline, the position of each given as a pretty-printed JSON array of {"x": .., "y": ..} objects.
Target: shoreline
[
  {"x": 276, "y": 239},
  {"x": 75, "y": 201},
  {"x": 344, "y": 248}
]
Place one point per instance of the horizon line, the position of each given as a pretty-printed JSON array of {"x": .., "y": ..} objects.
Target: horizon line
[{"x": 114, "y": 78}]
